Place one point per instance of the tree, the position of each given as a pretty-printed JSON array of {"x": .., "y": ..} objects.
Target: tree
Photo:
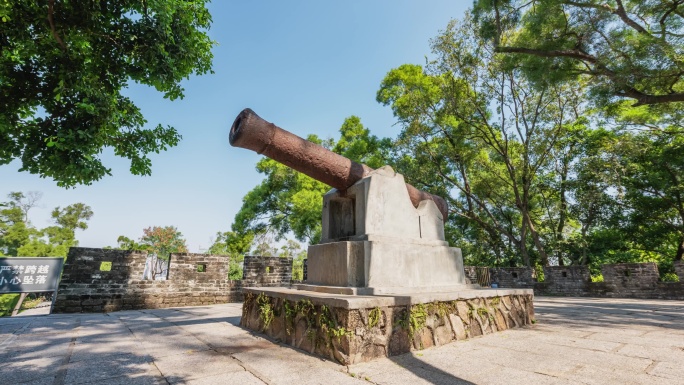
[
  {"x": 290, "y": 249},
  {"x": 627, "y": 48},
  {"x": 286, "y": 201},
  {"x": 15, "y": 228},
  {"x": 479, "y": 133},
  {"x": 594, "y": 198},
  {"x": 58, "y": 239},
  {"x": 125, "y": 243},
  {"x": 653, "y": 165},
  {"x": 163, "y": 241},
  {"x": 235, "y": 246},
  {"x": 63, "y": 67}
]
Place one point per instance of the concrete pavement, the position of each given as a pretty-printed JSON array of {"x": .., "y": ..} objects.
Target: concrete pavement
[{"x": 575, "y": 341}]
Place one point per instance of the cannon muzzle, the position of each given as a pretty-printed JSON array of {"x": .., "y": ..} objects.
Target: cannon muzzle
[{"x": 254, "y": 133}]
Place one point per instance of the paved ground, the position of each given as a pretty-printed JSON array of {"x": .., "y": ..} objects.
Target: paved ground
[
  {"x": 575, "y": 341},
  {"x": 42, "y": 308}
]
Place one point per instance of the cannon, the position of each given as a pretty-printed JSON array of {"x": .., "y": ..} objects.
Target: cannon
[{"x": 254, "y": 133}]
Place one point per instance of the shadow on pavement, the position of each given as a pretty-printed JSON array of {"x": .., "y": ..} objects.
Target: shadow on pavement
[
  {"x": 115, "y": 348},
  {"x": 623, "y": 313},
  {"x": 427, "y": 372}
]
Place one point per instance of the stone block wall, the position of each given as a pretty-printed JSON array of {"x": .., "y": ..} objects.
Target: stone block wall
[
  {"x": 514, "y": 277},
  {"x": 636, "y": 280},
  {"x": 564, "y": 280},
  {"x": 266, "y": 271},
  {"x": 622, "y": 280},
  {"x": 470, "y": 274},
  {"x": 204, "y": 268},
  {"x": 306, "y": 269},
  {"x": 631, "y": 274},
  {"x": 679, "y": 269},
  {"x": 87, "y": 287}
]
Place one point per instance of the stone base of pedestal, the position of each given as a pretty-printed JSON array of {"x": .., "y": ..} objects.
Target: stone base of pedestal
[{"x": 356, "y": 328}]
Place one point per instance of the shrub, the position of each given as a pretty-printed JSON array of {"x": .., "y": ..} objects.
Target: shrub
[
  {"x": 597, "y": 278},
  {"x": 669, "y": 277}
]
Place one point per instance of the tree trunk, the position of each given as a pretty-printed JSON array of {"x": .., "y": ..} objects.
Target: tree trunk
[
  {"x": 523, "y": 244},
  {"x": 561, "y": 219},
  {"x": 537, "y": 242},
  {"x": 680, "y": 251},
  {"x": 583, "y": 258}
]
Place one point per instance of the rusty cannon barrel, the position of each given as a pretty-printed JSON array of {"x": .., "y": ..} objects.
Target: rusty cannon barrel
[{"x": 254, "y": 133}]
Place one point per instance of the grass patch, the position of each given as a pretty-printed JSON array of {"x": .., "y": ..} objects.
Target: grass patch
[{"x": 7, "y": 304}]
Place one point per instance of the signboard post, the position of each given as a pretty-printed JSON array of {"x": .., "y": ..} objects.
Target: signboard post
[{"x": 30, "y": 275}]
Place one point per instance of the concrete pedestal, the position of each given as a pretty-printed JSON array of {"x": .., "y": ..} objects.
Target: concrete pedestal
[{"x": 386, "y": 267}]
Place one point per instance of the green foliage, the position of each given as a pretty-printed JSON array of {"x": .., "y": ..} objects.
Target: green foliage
[
  {"x": 290, "y": 312},
  {"x": 235, "y": 246},
  {"x": 339, "y": 332},
  {"x": 7, "y": 304},
  {"x": 374, "y": 317},
  {"x": 298, "y": 267},
  {"x": 15, "y": 230},
  {"x": 265, "y": 309},
  {"x": 318, "y": 318},
  {"x": 670, "y": 277},
  {"x": 481, "y": 135},
  {"x": 597, "y": 278},
  {"x": 163, "y": 241},
  {"x": 417, "y": 318},
  {"x": 612, "y": 44},
  {"x": 125, "y": 243},
  {"x": 533, "y": 172},
  {"x": 653, "y": 166},
  {"x": 286, "y": 201},
  {"x": 306, "y": 308},
  {"x": 63, "y": 67},
  {"x": 106, "y": 266},
  {"x": 442, "y": 309},
  {"x": 539, "y": 270},
  {"x": 18, "y": 237}
]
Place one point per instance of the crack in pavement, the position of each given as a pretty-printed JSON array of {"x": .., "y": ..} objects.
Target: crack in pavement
[
  {"x": 60, "y": 377},
  {"x": 242, "y": 364}
]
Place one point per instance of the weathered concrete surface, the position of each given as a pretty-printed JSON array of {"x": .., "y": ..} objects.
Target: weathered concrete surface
[
  {"x": 576, "y": 341},
  {"x": 373, "y": 237}
]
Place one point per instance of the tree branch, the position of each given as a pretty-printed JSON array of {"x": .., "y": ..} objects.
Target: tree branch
[
  {"x": 51, "y": 11},
  {"x": 646, "y": 99},
  {"x": 571, "y": 53},
  {"x": 620, "y": 11},
  {"x": 626, "y": 91}
]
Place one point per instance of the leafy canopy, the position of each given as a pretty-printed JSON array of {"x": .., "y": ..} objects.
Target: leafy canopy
[
  {"x": 627, "y": 48},
  {"x": 163, "y": 241},
  {"x": 478, "y": 132},
  {"x": 18, "y": 237},
  {"x": 63, "y": 66}
]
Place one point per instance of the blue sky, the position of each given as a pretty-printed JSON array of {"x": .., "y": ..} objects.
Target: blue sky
[{"x": 303, "y": 65}]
